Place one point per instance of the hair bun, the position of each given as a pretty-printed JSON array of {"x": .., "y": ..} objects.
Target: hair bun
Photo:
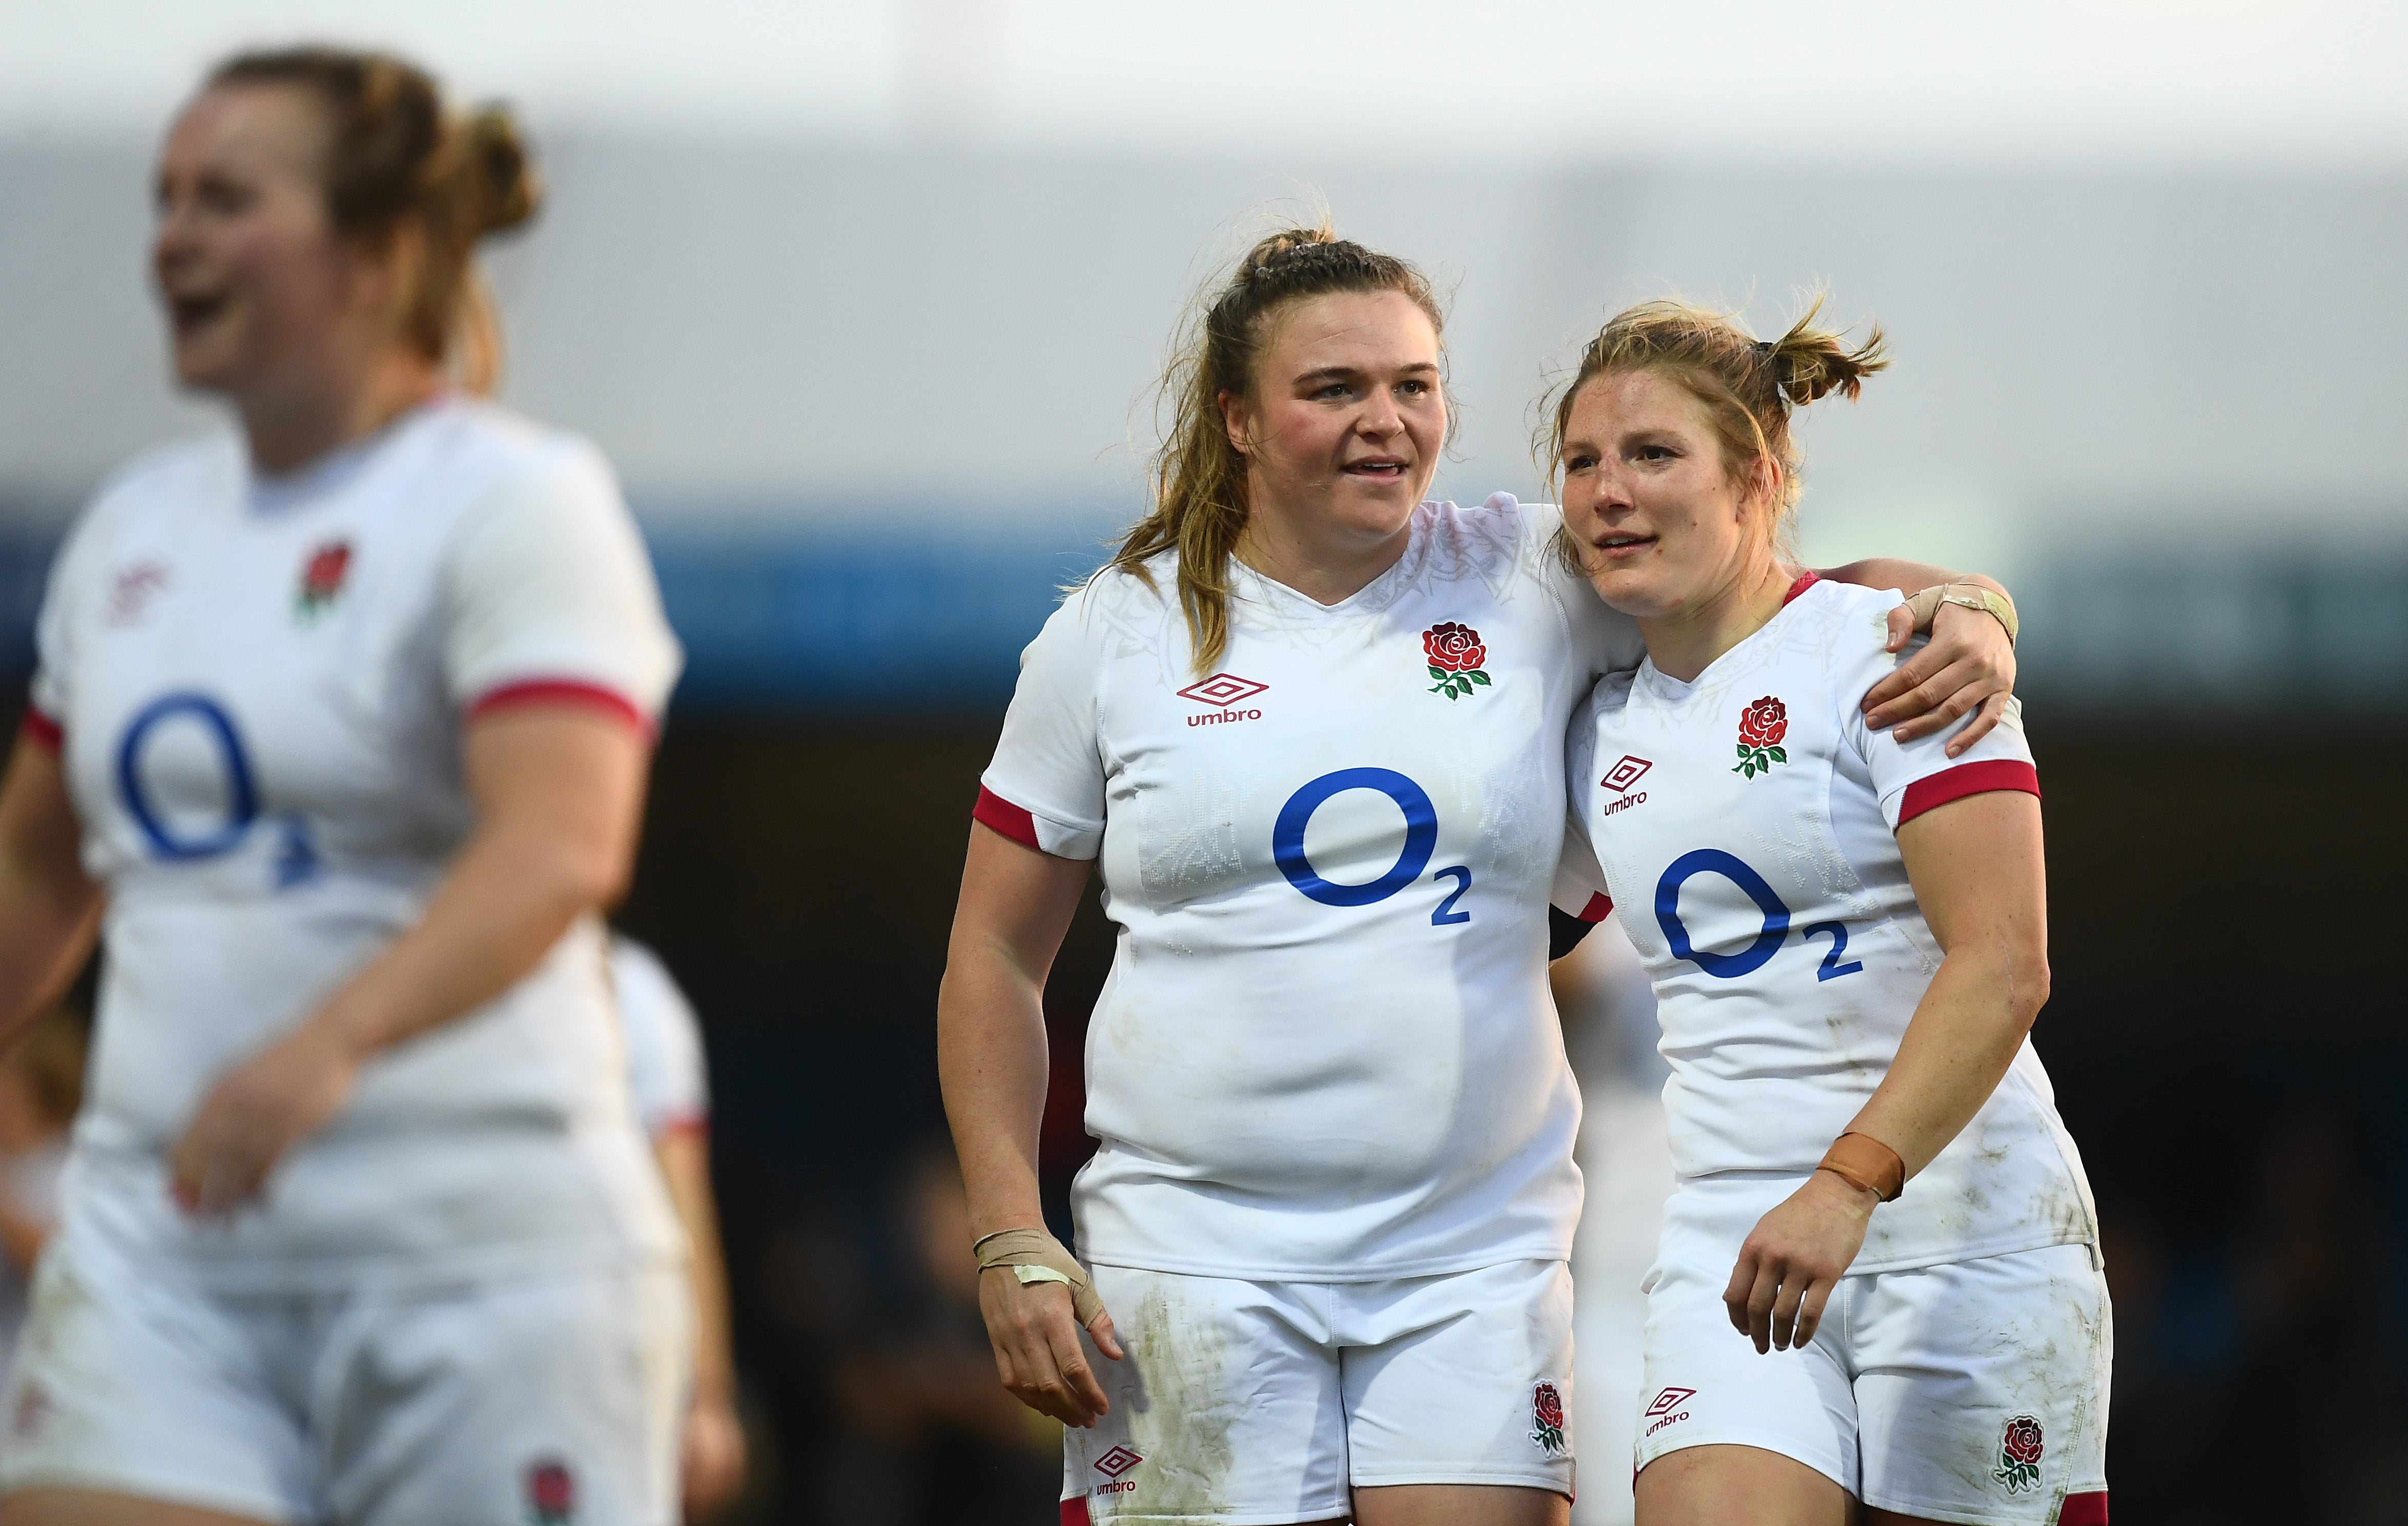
[{"x": 502, "y": 189}]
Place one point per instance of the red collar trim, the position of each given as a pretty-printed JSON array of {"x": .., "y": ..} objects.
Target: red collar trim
[{"x": 1805, "y": 581}]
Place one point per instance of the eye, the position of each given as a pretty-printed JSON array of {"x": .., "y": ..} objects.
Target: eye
[
  {"x": 1580, "y": 461},
  {"x": 1331, "y": 392},
  {"x": 1655, "y": 452},
  {"x": 1415, "y": 388}
]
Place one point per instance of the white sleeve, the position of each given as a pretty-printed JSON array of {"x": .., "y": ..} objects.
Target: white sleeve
[
  {"x": 1045, "y": 787},
  {"x": 665, "y": 1062},
  {"x": 548, "y": 592},
  {"x": 1913, "y": 778}
]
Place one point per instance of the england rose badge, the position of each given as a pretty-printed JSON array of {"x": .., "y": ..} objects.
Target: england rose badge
[
  {"x": 1761, "y": 727},
  {"x": 1455, "y": 654}
]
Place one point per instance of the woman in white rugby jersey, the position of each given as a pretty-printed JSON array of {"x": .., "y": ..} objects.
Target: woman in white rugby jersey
[
  {"x": 1311, "y": 727},
  {"x": 1848, "y": 935},
  {"x": 339, "y": 740}
]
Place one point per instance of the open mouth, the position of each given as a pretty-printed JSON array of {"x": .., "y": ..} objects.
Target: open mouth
[
  {"x": 191, "y": 313},
  {"x": 1624, "y": 548},
  {"x": 1378, "y": 468}
]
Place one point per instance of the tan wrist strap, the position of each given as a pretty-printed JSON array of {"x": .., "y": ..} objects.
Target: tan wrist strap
[
  {"x": 1862, "y": 1161},
  {"x": 1035, "y": 1256},
  {"x": 1925, "y": 604}
]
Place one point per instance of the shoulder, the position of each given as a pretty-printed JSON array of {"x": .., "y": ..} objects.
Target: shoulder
[
  {"x": 1118, "y": 605},
  {"x": 496, "y": 451},
  {"x": 1844, "y": 628},
  {"x": 1497, "y": 536},
  {"x": 643, "y": 984},
  {"x": 166, "y": 480}
]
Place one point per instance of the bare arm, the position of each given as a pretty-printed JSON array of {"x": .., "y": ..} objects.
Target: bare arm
[
  {"x": 1967, "y": 669},
  {"x": 1015, "y": 905},
  {"x": 49, "y": 911},
  {"x": 559, "y": 793},
  {"x": 1979, "y": 876},
  {"x": 711, "y": 1456}
]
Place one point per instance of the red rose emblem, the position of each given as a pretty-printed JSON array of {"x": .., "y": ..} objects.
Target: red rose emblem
[
  {"x": 1766, "y": 722},
  {"x": 2022, "y": 1442},
  {"x": 1455, "y": 655},
  {"x": 552, "y": 1491},
  {"x": 1549, "y": 1405},
  {"x": 322, "y": 575},
  {"x": 1454, "y": 649}
]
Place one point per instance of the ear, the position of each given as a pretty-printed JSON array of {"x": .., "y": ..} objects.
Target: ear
[
  {"x": 1767, "y": 480},
  {"x": 1238, "y": 418}
]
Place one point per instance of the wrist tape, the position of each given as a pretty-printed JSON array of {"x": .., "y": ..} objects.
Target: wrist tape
[
  {"x": 1864, "y": 1162},
  {"x": 1035, "y": 1256}
]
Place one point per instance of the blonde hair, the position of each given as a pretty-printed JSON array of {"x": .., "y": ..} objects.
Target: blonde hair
[
  {"x": 396, "y": 160},
  {"x": 1748, "y": 386},
  {"x": 1200, "y": 476}
]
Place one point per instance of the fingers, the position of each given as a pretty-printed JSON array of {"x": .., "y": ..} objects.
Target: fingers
[
  {"x": 1946, "y": 699},
  {"x": 1810, "y": 1309},
  {"x": 1037, "y": 1354},
  {"x": 1985, "y": 720},
  {"x": 1742, "y": 1283},
  {"x": 1901, "y": 629},
  {"x": 1784, "y": 1308},
  {"x": 1760, "y": 1303},
  {"x": 1107, "y": 1339}
]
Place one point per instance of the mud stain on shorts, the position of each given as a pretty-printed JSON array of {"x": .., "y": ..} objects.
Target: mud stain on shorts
[{"x": 1183, "y": 1412}]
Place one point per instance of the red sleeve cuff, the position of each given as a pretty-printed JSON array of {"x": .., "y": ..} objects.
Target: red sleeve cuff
[
  {"x": 695, "y": 1124},
  {"x": 1006, "y": 817},
  {"x": 560, "y": 692},
  {"x": 42, "y": 731},
  {"x": 1971, "y": 778},
  {"x": 1598, "y": 909}
]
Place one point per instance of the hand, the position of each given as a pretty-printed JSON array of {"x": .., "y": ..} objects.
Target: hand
[
  {"x": 710, "y": 1457},
  {"x": 259, "y": 1110},
  {"x": 1793, "y": 1260},
  {"x": 1037, "y": 1349},
  {"x": 1970, "y": 666}
]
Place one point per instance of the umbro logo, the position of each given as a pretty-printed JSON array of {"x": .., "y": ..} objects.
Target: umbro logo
[
  {"x": 1622, "y": 776},
  {"x": 1226, "y": 691},
  {"x": 1668, "y": 1400},
  {"x": 1117, "y": 1461},
  {"x": 1221, "y": 689}
]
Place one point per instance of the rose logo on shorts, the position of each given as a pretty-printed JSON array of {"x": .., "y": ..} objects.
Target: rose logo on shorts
[
  {"x": 322, "y": 576},
  {"x": 1761, "y": 727},
  {"x": 1547, "y": 1420},
  {"x": 2019, "y": 1449},
  {"x": 1455, "y": 653},
  {"x": 552, "y": 1492}
]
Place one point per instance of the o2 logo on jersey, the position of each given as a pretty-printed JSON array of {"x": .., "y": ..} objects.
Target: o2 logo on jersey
[
  {"x": 1770, "y": 935},
  {"x": 179, "y": 842},
  {"x": 1421, "y": 840}
]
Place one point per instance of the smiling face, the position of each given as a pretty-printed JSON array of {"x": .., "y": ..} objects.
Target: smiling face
[
  {"x": 1661, "y": 522},
  {"x": 1342, "y": 429},
  {"x": 259, "y": 287}
]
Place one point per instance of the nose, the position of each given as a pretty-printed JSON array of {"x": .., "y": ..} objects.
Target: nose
[{"x": 1381, "y": 418}]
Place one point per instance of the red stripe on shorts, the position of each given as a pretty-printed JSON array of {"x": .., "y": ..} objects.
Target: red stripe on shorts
[
  {"x": 1074, "y": 1511},
  {"x": 1973, "y": 778},
  {"x": 1019, "y": 827},
  {"x": 2089, "y": 1509},
  {"x": 42, "y": 731},
  {"x": 1598, "y": 909}
]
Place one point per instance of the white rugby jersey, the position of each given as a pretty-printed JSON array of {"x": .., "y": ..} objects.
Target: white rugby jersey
[
  {"x": 1746, "y": 826},
  {"x": 665, "y": 1072},
  {"x": 1326, "y": 1049},
  {"x": 259, "y": 686}
]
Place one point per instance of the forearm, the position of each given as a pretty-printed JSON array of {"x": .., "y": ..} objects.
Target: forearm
[
  {"x": 1964, "y": 1034},
  {"x": 991, "y": 1060},
  {"x": 685, "y": 1165},
  {"x": 47, "y": 931},
  {"x": 1905, "y": 576},
  {"x": 509, "y": 896}
]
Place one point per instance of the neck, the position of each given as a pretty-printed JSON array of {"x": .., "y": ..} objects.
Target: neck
[
  {"x": 1323, "y": 567},
  {"x": 288, "y": 430},
  {"x": 1686, "y": 642}
]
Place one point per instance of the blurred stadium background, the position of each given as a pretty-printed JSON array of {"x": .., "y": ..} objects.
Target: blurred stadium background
[{"x": 863, "y": 301}]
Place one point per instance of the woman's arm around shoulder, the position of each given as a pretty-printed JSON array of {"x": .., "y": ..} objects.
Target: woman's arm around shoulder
[
  {"x": 50, "y": 909},
  {"x": 1967, "y": 669}
]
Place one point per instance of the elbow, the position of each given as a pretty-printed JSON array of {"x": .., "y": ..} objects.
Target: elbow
[
  {"x": 591, "y": 877},
  {"x": 2026, "y": 984}
]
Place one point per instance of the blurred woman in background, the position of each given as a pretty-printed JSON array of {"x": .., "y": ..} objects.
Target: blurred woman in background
[
  {"x": 338, "y": 737},
  {"x": 1335, "y": 1195},
  {"x": 1849, "y": 942}
]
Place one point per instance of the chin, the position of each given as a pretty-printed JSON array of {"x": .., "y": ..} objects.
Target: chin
[{"x": 1632, "y": 593}]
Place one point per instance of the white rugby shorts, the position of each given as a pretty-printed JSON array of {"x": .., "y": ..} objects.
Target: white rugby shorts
[
  {"x": 1971, "y": 1391},
  {"x": 1248, "y": 1404},
  {"x": 537, "y": 1400}
]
